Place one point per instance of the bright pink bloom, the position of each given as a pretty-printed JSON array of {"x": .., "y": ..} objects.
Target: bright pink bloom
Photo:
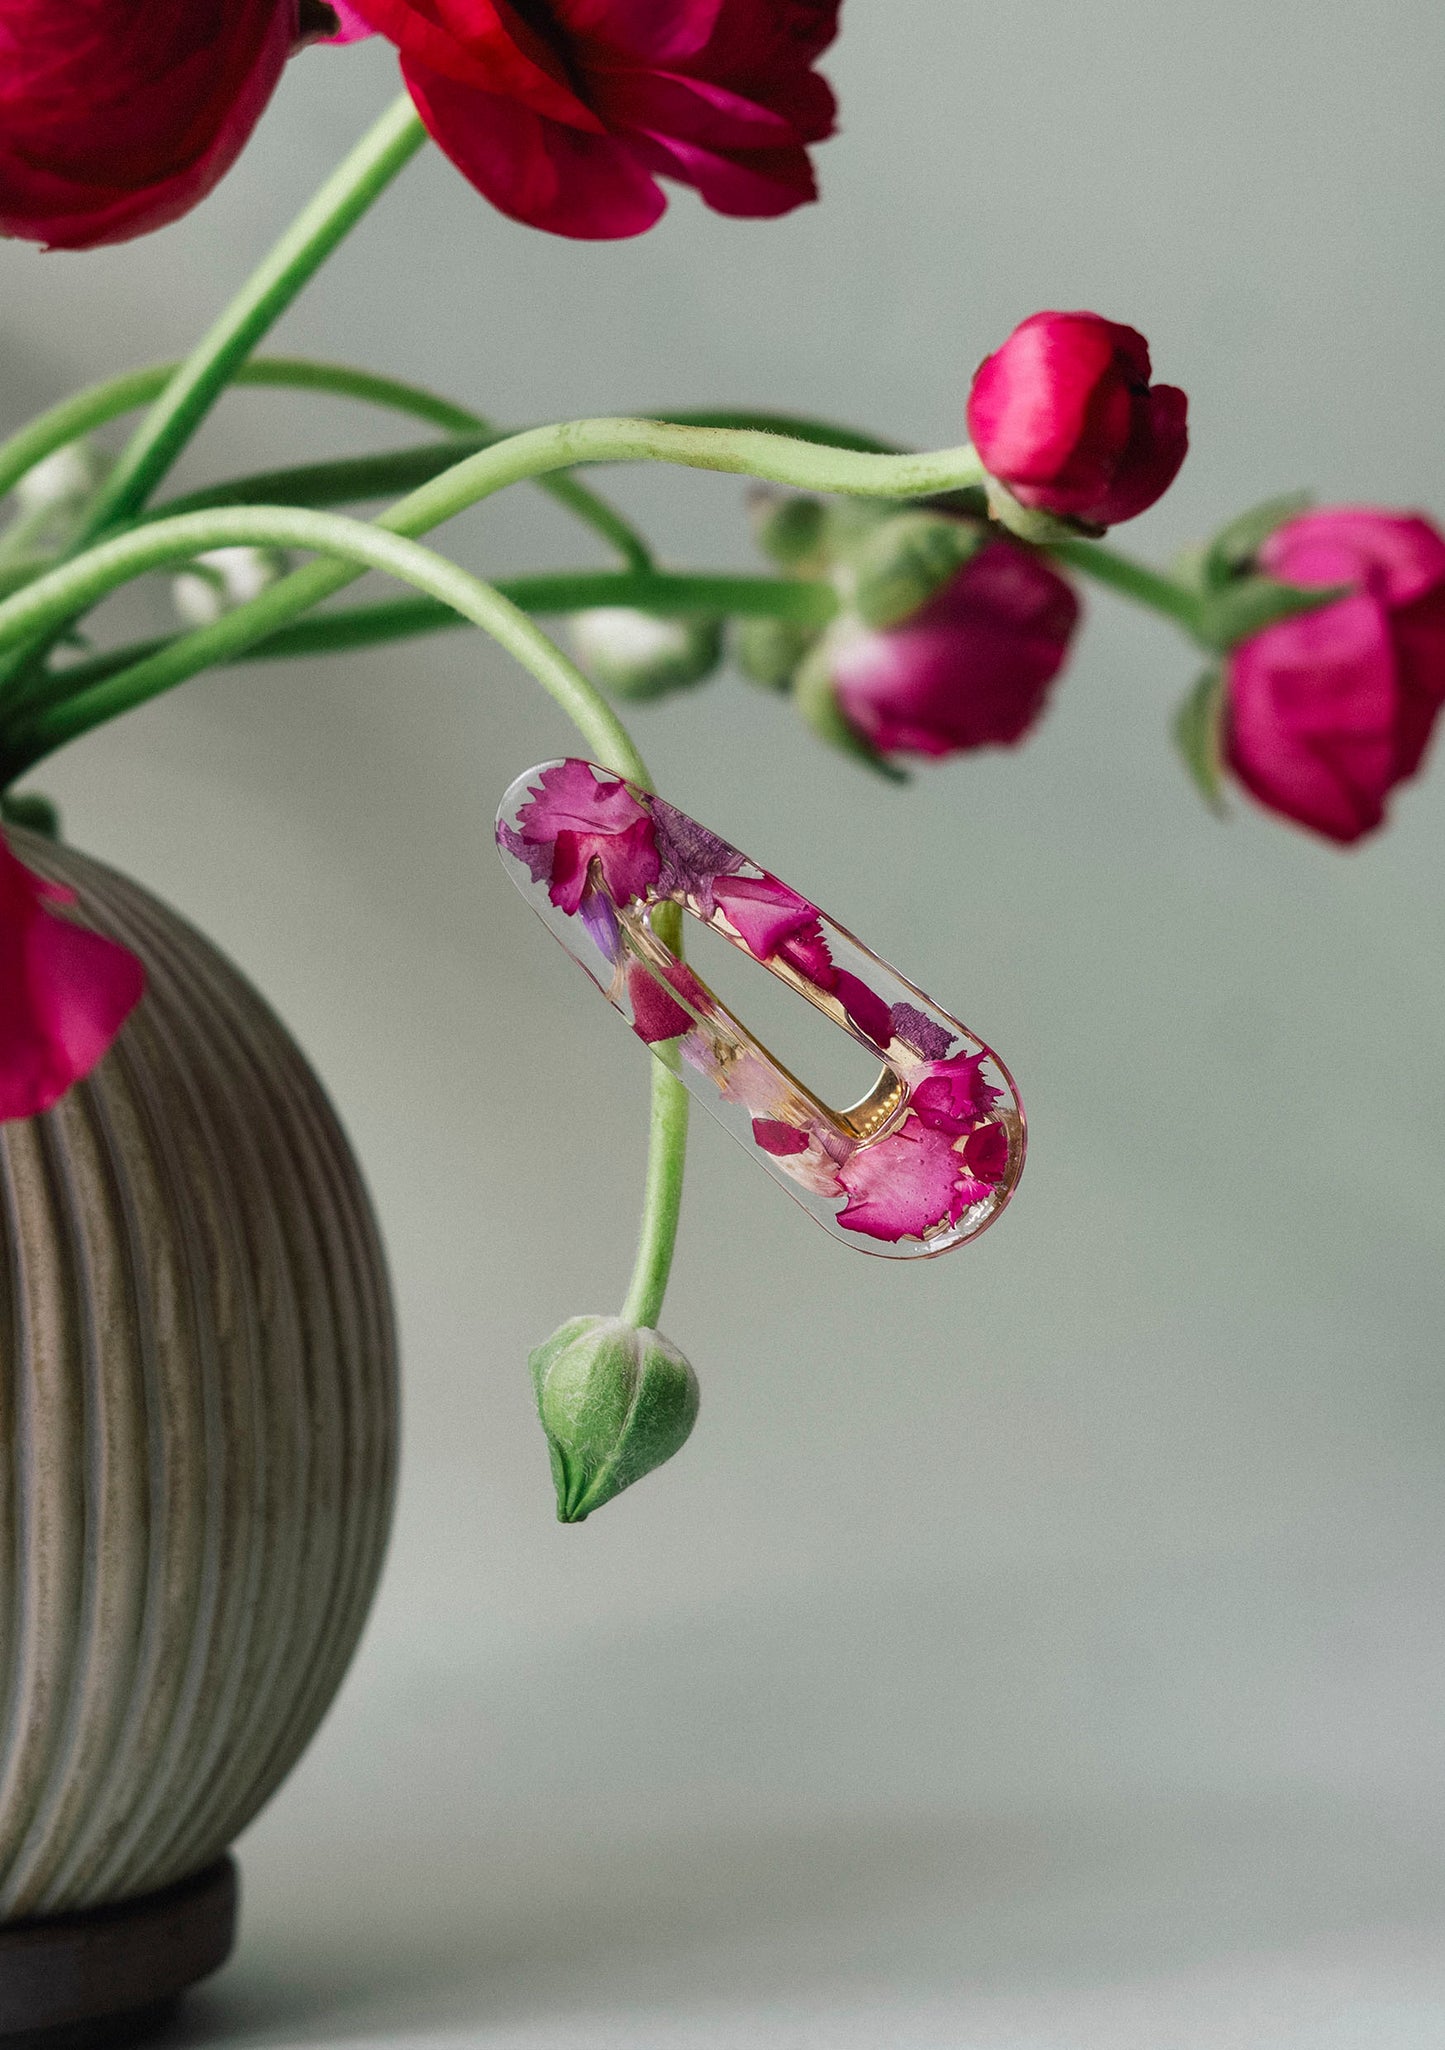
[
  {"x": 1064, "y": 415},
  {"x": 117, "y": 116},
  {"x": 906, "y": 1184},
  {"x": 64, "y": 992},
  {"x": 566, "y": 112},
  {"x": 1326, "y": 713},
  {"x": 952, "y": 1096},
  {"x": 583, "y": 821},
  {"x": 972, "y": 669}
]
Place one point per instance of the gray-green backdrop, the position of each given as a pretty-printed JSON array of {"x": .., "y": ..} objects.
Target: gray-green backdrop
[{"x": 1037, "y": 1647}]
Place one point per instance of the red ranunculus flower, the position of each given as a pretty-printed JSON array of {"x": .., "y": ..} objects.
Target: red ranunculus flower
[
  {"x": 972, "y": 669},
  {"x": 1326, "y": 713},
  {"x": 64, "y": 992},
  {"x": 116, "y": 116},
  {"x": 566, "y": 112},
  {"x": 1065, "y": 417}
]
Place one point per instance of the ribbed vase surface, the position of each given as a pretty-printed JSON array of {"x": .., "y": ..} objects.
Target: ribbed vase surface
[{"x": 197, "y": 1427}]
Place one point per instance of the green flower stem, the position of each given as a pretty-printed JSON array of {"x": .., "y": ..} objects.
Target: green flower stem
[
  {"x": 538, "y": 453},
  {"x": 1147, "y": 587},
  {"x": 400, "y": 470},
  {"x": 83, "y": 582},
  {"x": 399, "y": 619},
  {"x": 321, "y": 225},
  {"x": 76, "y": 585},
  {"x": 666, "y": 1161}
]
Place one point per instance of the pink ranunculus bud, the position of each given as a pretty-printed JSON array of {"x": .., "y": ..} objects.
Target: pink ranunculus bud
[
  {"x": 1064, "y": 416},
  {"x": 565, "y": 113},
  {"x": 117, "y": 116},
  {"x": 65, "y": 992},
  {"x": 971, "y": 669},
  {"x": 1326, "y": 713}
]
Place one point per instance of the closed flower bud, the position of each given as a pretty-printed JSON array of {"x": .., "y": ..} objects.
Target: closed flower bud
[
  {"x": 116, "y": 116},
  {"x": 971, "y": 668},
  {"x": 1065, "y": 419},
  {"x": 215, "y": 584},
  {"x": 791, "y": 530},
  {"x": 1325, "y": 714},
  {"x": 615, "y": 1402},
  {"x": 771, "y": 651},
  {"x": 905, "y": 562},
  {"x": 62, "y": 482},
  {"x": 638, "y": 655}
]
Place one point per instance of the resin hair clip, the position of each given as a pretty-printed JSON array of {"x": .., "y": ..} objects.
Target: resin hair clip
[{"x": 931, "y": 1154}]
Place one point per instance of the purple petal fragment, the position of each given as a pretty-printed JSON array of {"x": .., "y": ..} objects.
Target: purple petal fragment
[{"x": 920, "y": 1034}]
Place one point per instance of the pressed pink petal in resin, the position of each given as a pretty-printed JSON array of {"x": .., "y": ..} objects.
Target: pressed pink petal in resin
[
  {"x": 985, "y": 1156},
  {"x": 763, "y": 911},
  {"x": 584, "y": 820},
  {"x": 656, "y": 1016},
  {"x": 807, "y": 952},
  {"x": 64, "y": 992},
  {"x": 779, "y": 1139},
  {"x": 952, "y": 1096},
  {"x": 864, "y": 1006},
  {"x": 905, "y": 1185}
]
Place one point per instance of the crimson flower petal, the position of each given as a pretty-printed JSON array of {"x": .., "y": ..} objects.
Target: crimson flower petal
[
  {"x": 905, "y": 1185},
  {"x": 65, "y": 992}
]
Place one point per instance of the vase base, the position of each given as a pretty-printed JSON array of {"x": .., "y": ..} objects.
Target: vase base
[{"x": 112, "y": 1976}]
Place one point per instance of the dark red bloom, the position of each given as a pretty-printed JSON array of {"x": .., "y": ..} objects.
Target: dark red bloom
[
  {"x": 565, "y": 113},
  {"x": 972, "y": 669},
  {"x": 1326, "y": 713},
  {"x": 116, "y": 116},
  {"x": 64, "y": 992},
  {"x": 1065, "y": 417}
]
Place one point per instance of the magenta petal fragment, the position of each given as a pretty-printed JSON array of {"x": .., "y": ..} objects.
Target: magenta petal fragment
[
  {"x": 951, "y": 1096},
  {"x": 781, "y": 1140},
  {"x": 763, "y": 911},
  {"x": 656, "y": 1016},
  {"x": 864, "y": 1007},
  {"x": 65, "y": 992},
  {"x": 903, "y": 1186},
  {"x": 584, "y": 820},
  {"x": 986, "y": 1154}
]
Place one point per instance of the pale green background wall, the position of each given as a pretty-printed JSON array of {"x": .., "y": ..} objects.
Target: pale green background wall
[{"x": 1061, "y": 1613}]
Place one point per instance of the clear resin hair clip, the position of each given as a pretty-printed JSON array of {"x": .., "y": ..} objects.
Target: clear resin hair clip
[{"x": 929, "y": 1156}]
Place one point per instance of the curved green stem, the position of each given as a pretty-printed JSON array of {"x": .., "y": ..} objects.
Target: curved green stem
[
  {"x": 540, "y": 452},
  {"x": 1148, "y": 587},
  {"x": 83, "y": 582},
  {"x": 76, "y": 585},
  {"x": 670, "y": 595},
  {"x": 662, "y": 1196},
  {"x": 354, "y": 185}
]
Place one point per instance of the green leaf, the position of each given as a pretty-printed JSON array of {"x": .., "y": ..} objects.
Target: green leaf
[
  {"x": 1199, "y": 736},
  {"x": 1233, "y": 612},
  {"x": 1232, "y": 551}
]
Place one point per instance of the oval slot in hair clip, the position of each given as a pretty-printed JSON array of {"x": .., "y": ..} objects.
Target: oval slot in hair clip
[{"x": 930, "y": 1155}]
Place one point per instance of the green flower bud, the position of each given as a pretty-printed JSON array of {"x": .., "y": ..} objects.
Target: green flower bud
[
  {"x": 32, "y": 810},
  {"x": 907, "y": 560},
  {"x": 638, "y": 655},
  {"x": 769, "y": 651},
  {"x": 615, "y": 1402},
  {"x": 216, "y": 583},
  {"x": 790, "y": 530}
]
